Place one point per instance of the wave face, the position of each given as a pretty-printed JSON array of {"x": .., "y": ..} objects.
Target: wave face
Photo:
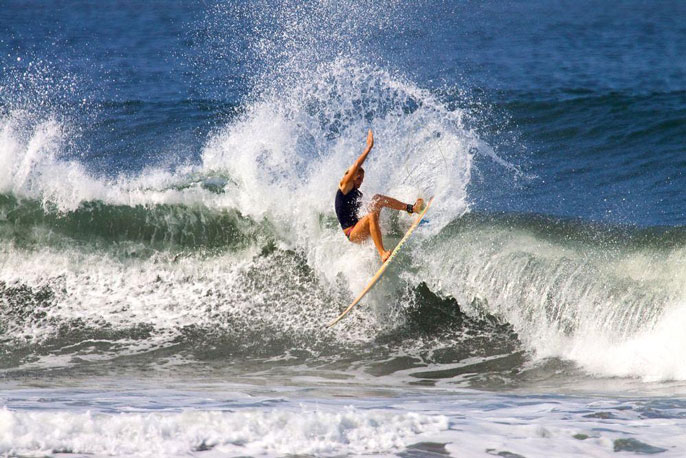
[{"x": 151, "y": 229}]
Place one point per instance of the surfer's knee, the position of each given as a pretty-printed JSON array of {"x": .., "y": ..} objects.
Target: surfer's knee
[
  {"x": 377, "y": 203},
  {"x": 373, "y": 217}
]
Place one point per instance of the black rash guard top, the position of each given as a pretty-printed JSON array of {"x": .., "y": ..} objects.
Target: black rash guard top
[{"x": 347, "y": 206}]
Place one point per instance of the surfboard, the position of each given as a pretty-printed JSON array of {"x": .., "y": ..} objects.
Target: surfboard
[{"x": 385, "y": 265}]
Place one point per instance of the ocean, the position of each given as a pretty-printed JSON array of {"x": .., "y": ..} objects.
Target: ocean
[{"x": 170, "y": 255}]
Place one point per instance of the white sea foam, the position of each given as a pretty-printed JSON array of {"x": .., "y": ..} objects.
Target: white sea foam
[
  {"x": 257, "y": 294},
  {"x": 655, "y": 353},
  {"x": 283, "y": 155},
  {"x": 464, "y": 424},
  {"x": 243, "y": 432}
]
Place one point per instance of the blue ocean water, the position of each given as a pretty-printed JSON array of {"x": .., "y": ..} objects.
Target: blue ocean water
[{"x": 169, "y": 252}]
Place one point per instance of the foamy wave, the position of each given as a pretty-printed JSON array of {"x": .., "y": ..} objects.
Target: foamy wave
[
  {"x": 653, "y": 354},
  {"x": 281, "y": 162},
  {"x": 244, "y": 432},
  {"x": 33, "y": 152},
  {"x": 613, "y": 309},
  {"x": 29, "y": 151}
]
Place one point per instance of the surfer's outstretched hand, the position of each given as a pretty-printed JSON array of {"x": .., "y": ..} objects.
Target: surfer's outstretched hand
[{"x": 370, "y": 140}]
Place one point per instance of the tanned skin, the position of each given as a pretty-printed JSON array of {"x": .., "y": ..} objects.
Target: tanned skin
[{"x": 369, "y": 224}]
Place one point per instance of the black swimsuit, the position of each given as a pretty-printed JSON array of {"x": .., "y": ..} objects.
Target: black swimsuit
[{"x": 347, "y": 206}]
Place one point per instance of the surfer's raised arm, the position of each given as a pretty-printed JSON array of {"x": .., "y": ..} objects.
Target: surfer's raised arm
[
  {"x": 346, "y": 183},
  {"x": 347, "y": 205}
]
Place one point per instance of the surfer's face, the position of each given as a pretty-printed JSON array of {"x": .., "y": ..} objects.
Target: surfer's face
[{"x": 359, "y": 178}]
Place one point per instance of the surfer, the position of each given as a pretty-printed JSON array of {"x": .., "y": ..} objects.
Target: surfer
[{"x": 348, "y": 199}]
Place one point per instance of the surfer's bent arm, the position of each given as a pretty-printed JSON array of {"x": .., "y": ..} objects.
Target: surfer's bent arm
[{"x": 346, "y": 182}]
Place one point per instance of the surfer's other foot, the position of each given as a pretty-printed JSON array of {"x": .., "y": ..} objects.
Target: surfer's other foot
[
  {"x": 385, "y": 255},
  {"x": 418, "y": 206}
]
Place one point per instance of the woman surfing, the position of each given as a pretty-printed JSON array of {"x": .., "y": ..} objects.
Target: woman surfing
[{"x": 348, "y": 198}]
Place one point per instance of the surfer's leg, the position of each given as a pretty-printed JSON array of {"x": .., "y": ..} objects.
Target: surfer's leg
[
  {"x": 360, "y": 232},
  {"x": 379, "y": 201},
  {"x": 375, "y": 230},
  {"x": 369, "y": 225}
]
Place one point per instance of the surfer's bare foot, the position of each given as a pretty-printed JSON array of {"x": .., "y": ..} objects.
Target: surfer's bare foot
[
  {"x": 418, "y": 206},
  {"x": 385, "y": 255}
]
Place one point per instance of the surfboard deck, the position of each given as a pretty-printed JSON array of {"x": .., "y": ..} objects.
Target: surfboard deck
[{"x": 385, "y": 265}]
